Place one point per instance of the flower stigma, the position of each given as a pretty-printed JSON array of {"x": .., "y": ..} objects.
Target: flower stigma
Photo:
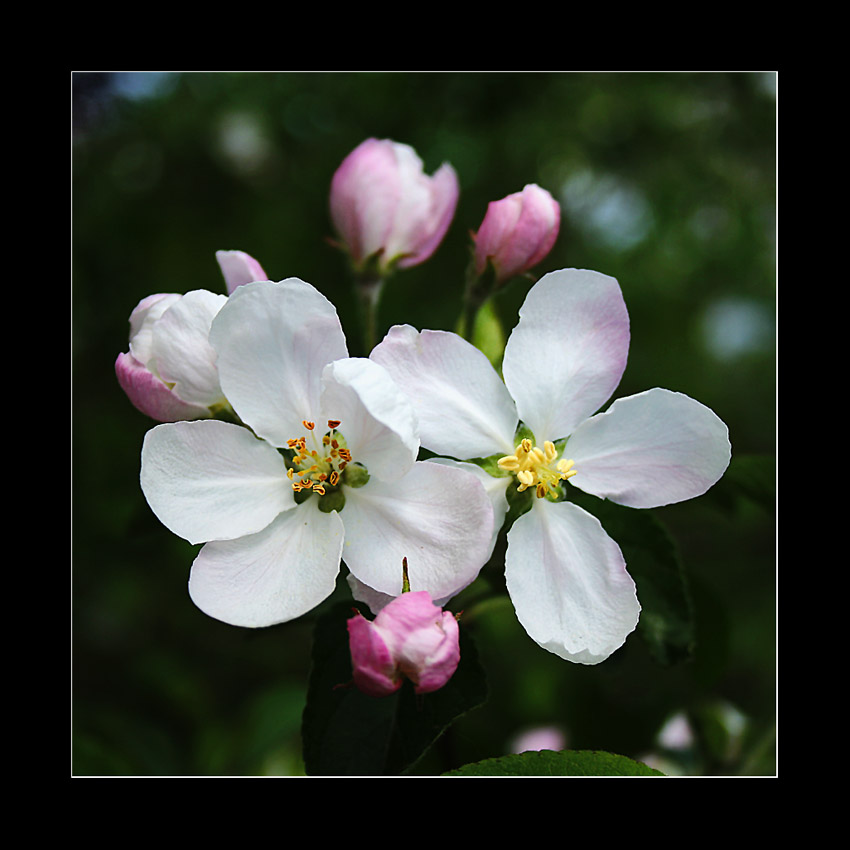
[
  {"x": 317, "y": 466},
  {"x": 533, "y": 467}
]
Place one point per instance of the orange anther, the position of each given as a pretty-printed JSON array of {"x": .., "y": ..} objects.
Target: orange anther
[
  {"x": 333, "y": 423},
  {"x": 308, "y": 425}
]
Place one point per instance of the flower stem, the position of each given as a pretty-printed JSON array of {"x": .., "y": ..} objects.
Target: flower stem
[
  {"x": 369, "y": 295},
  {"x": 476, "y": 292}
]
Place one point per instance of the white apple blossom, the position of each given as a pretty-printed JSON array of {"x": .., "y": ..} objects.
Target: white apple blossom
[
  {"x": 566, "y": 578},
  {"x": 327, "y": 471}
]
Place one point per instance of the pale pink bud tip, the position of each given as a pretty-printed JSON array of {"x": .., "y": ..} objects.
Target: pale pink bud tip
[
  {"x": 238, "y": 268},
  {"x": 410, "y": 637},
  {"x": 517, "y": 232},
  {"x": 383, "y": 204}
]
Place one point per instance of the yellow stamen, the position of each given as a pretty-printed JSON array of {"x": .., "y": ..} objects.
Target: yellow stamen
[
  {"x": 318, "y": 468},
  {"x": 533, "y": 467}
]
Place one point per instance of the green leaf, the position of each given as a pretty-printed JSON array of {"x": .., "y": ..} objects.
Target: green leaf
[
  {"x": 565, "y": 763},
  {"x": 346, "y": 733},
  {"x": 666, "y": 620}
]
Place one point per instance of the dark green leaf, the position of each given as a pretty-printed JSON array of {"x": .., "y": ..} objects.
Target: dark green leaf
[
  {"x": 346, "y": 733},
  {"x": 549, "y": 763}
]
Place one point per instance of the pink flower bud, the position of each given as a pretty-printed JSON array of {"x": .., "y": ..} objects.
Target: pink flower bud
[
  {"x": 169, "y": 373},
  {"x": 382, "y": 203},
  {"x": 239, "y": 268},
  {"x": 410, "y": 637},
  {"x": 517, "y": 232}
]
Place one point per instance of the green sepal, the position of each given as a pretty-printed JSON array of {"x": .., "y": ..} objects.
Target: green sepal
[
  {"x": 519, "y": 503},
  {"x": 523, "y": 432},
  {"x": 491, "y": 465},
  {"x": 355, "y": 475},
  {"x": 332, "y": 501},
  {"x": 301, "y": 496}
]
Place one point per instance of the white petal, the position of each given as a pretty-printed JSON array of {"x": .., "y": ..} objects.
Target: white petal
[
  {"x": 437, "y": 517},
  {"x": 568, "y": 583},
  {"x": 363, "y": 593},
  {"x": 211, "y": 480},
  {"x": 273, "y": 340},
  {"x": 144, "y": 317},
  {"x": 650, "y": 449},
  {"x": 376, "y": 419},
  {"x": 463, "y": 408},
  {"x": 181, "y": 348},
  {"x": 495, "y": 488},
  {"x": 568, "y": 352},
  {"x": 276, "y": 575},
  {"x": 377, "y": 601}
]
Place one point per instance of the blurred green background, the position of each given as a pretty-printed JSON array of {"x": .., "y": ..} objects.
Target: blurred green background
[{"x": 667, "y": 181}]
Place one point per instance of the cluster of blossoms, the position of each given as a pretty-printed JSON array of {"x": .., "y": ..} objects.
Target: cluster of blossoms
[{"x": 285, "y": 456}]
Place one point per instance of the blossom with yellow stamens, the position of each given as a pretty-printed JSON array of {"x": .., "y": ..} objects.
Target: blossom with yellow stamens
[
  {"x": 280, "y": 505},
  {"x": 567, "y": 579}
]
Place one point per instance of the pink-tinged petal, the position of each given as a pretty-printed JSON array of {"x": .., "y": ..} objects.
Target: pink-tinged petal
[
  {"x": 437, "y": 517},
  {"x": 273, "y": 576},
  {"x": 517, "y": 232},
  {"x": 539, "y": 738},
  {"x": 463, "y": 408},
  {"x": 239, "y": 268},
  {"x": 650, "y": 449},
  {"x": 181, "y": 350},
  {"x": 442, "y": 665},
  {"x": 376, "y": 419},
  {"x": 437, "y": 661},
  {"x": 273, "y": 340},
  {"x": 382, "y": 202},
  {"x": 568, "y": 582},
  {"x": 540, "y": 224},
  {"x": 365, "y": 192},
  {"x": 212, "y": 480},
  {"x": 568, "y": 351},
  {"x": 373, "y": 667},
  {"x": 151, "y": 396},
  {"x": 406, "y": 617},
  {"x": 444, "y": 190},
  {"x": 410, "y": 636},
  {"x": 499, "y": 223}
]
